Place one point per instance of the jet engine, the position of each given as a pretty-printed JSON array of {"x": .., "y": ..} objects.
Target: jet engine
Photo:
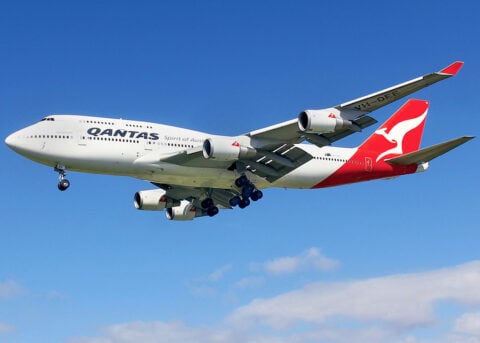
[
  {"x": 185, "y": 211},
  {"x": 321, "y": 121},
  {"x": 226, "y": 149},
  {"x": 153, "y": 200}
]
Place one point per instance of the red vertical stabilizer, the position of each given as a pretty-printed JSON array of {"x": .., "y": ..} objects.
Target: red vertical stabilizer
[{"x": 401, "y": 133}]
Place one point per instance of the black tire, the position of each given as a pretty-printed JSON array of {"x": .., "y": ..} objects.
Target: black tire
[
  {"x": 207, "y": 203},
  {"x": 247, "y": 191},
  {"x": 212, "y": 211},
  {"x": 244, "y": 203},
  {"x": 256, "y": 195},
  {"x": 63, "y": 184},
  {"x": 241, "y": 181},
  {"x": 234, "y": 201}
]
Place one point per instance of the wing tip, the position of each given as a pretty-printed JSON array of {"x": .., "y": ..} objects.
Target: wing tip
[
  {"x": 418, "y": 101},
  {"x": 452, "y": 69}
]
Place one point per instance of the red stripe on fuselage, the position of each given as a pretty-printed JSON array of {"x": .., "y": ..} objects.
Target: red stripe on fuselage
[{"x": 362, "y": 167}]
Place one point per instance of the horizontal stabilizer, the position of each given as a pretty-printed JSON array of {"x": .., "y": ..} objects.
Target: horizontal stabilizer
[{"x": 428, "y": 154}]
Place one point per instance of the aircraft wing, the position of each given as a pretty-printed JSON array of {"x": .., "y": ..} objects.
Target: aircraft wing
[
  {"x": 275, "y": 151},
  {"x": 354, "y": 110},
  {"x": 271, "y": 162},
  {"x": 279, "y": 140}
]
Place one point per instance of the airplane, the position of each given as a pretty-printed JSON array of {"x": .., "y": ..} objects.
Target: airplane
[{"x": 196, "y": 174}]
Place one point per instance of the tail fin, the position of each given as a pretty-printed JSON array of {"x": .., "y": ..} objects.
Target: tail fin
[{"x": 401, "y": 133}]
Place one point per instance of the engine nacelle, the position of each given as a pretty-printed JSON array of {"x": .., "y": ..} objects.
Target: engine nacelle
[
  {"x": 153, "y": 200},
  {"x": 226, "y": 149},
  {"x": 321, "y": 121},
  {"x": 185, "y": 211}
]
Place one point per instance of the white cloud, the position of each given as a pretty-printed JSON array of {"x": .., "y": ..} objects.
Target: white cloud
[
  {"x": 469, "y": 324},
  {"x": 249, "y": 282},
  {"x": 403, "y": 301},
  {"x": 219, "y": 273},
  {"x": 178, "y": 332},
  {"x": 459, "y": 339},
  {"x": 204, "y": 286},
  {"x": 158, "y": 332},
  {"x": 309, "y": 259},
  {"x": 6, "y": 328},
  {"x": 383, "y": 309},
  {"x": 54, "y": 295},
  {"x": 203, "y": 291},
  {"x": 9, "y": 289}
]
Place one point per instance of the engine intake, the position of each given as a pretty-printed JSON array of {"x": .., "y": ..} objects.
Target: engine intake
[
  {"x": 226, "y": 149},
  {"x": 153, "y": 200},
  {"x": 321, "y": 121},
  {"x": 185, "y": 211}
]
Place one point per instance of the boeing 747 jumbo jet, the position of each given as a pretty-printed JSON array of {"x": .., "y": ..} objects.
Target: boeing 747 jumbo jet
[{"x": 196, "y": 173}]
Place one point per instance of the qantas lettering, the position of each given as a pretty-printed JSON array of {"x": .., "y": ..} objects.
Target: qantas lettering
[{"x": 95, "y": 131}]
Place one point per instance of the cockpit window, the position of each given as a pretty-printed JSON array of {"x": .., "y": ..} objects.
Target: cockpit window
[{"x": 48, "y": 119}]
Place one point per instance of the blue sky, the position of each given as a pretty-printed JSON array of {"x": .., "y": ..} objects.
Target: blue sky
[{"x": 384, "y": 261}]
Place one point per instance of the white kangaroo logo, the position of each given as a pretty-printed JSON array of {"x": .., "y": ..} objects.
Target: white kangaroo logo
[{"x": 397, "y": 133}]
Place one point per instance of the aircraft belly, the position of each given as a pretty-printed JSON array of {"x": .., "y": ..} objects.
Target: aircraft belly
[
  {"x": 84, "y": 159},
  {"x": 307, "y": 176},
  {"x": 187, "y": 176}
]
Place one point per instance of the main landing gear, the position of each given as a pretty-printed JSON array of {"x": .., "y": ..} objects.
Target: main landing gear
[
  {"x": 249, "y": 191},
  {"x": 63, "y": 183},
  {"x": 208, "y": 204}
]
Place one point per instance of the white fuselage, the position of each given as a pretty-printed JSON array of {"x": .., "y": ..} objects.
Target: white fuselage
[{"x": 117, "y": 146}]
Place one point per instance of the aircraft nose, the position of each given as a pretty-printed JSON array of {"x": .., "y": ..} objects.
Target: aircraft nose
[
  {"x": 19, "y": 143},
  {"x": 10, "y": 141},
  {"x": 15, "y": 142}
]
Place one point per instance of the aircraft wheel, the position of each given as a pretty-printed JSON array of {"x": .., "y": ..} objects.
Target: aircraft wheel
[
  {"x": 244, "y": 203},
  {"x": 212, "y": 211},
  {"x": 234, "y": 201},
  {"x": 241, "y": 181},
  {"x": 63, "y": 184},
  {"x": 247, "y": 191},
  {"x": 256, "y": 195},
  {"x": 207, "y": 203}
]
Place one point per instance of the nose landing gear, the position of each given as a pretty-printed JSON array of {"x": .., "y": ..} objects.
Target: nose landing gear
[{"x": 63, "y": 183}]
